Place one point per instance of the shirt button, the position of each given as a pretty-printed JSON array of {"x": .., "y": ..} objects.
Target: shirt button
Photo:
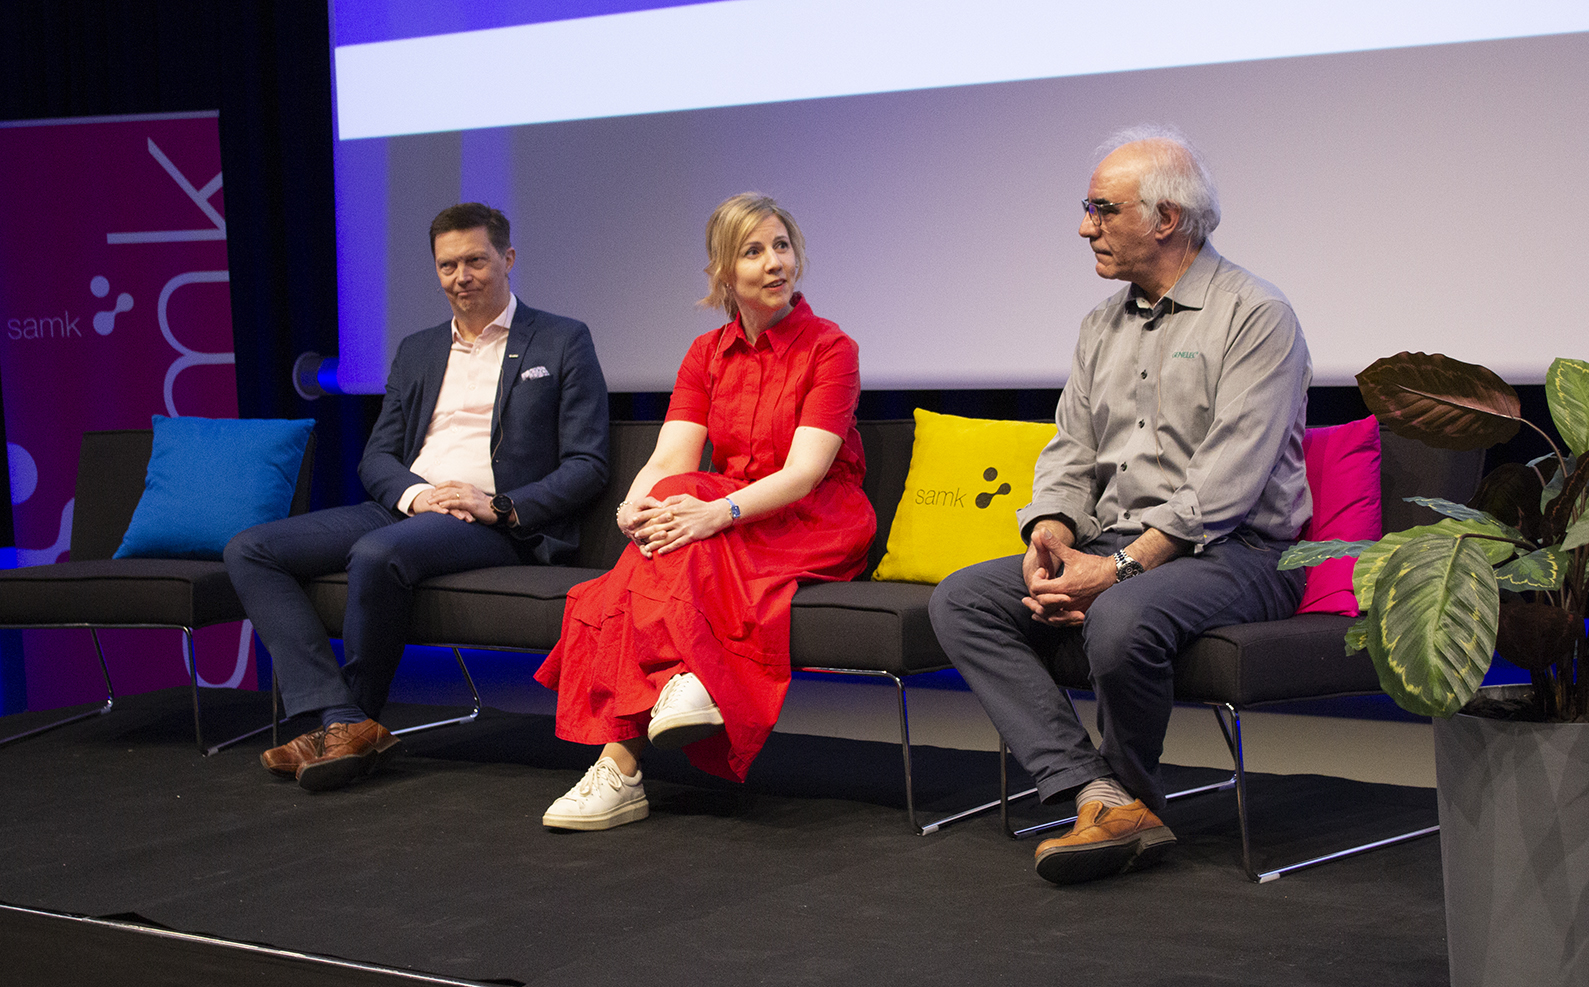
[
  {"x": 1127, "y": 515},
  {"x": 1123, "y": 467},
  {"x": 1141, "y": 423},
  {"x": 1144, "y": 375}
]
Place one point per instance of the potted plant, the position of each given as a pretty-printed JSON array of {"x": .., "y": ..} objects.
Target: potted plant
[{"x": 1504, "y": 573}]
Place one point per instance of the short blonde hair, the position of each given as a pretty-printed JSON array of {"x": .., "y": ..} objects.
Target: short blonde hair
[{"x": 730, "y": 225}]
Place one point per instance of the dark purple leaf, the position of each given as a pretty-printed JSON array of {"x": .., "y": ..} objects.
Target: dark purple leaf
[
  {"x": 1439, "y": 401},
  {"x": 1535, "y": 636}
]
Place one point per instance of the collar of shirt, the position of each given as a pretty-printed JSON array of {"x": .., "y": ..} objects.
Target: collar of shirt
[
  {"x": 504, "y": 321},
  {"x": 1190, "y": 292},
  {"x": 779, "y": 335}
]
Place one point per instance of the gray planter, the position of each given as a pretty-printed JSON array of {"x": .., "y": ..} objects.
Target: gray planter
[{"x": 1514, "y": 840}]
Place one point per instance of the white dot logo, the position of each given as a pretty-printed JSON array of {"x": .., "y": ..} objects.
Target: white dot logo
[{"x": 105, "y": 321}]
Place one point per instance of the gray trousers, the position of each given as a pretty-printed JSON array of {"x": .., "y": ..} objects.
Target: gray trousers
[{"x": 1127, "y": 643}]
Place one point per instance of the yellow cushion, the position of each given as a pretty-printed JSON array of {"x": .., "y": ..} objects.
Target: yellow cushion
[{"x": 967, "y": 478}]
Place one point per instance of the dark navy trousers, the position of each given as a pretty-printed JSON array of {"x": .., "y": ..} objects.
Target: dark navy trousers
[
  {"x": 1128, "y": 640},
  {"x": 385, "y": 554}
]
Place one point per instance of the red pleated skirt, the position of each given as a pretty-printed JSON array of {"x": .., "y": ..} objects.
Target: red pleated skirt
[{"x": 718, "y": 608}]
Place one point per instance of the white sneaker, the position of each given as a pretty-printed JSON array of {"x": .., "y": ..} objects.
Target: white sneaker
[
  {"x": 684, "y": 713},
  {"x": 604, "y": 798}
]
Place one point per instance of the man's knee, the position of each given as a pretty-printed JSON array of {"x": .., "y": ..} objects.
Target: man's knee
[
  {"x": 376, "y": 554},
  {"x": 247, "y": 547},
  {"x": 1124, "y": 640}
]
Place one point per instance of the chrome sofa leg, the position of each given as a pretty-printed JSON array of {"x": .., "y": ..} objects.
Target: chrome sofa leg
[{"x": 105, "y": 707}]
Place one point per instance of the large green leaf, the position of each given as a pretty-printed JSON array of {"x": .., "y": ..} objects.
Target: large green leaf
[
  {"x": 1310, "y": 553},
  {"x": 1435, "y": 615},
  {"x": 1439, "y": 401},
  {"x": 1462, "y": 512},
  {"x": 1543, "y": 569},
  {"x": 1372, "y": 561},
  {"x": 1567, "y": 393}
]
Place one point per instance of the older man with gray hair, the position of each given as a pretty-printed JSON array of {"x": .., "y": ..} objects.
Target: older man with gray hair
[{"x": 1159, "y": 510}]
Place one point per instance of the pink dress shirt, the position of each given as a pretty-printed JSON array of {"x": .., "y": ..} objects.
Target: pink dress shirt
[{"x": 458, "y": 441}]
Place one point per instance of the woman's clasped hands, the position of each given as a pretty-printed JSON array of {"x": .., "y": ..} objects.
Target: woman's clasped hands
[{"x": 661, "y": 526}]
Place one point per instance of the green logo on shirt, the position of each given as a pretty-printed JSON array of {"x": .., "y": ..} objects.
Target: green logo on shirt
[{"x": 1184, "y": 355}]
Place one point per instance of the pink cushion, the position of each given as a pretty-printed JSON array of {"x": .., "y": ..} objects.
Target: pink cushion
[{"x": 1343, "y": 475}]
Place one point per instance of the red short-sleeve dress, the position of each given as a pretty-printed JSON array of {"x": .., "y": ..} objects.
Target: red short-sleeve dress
[{"x": 720, "y": 607}]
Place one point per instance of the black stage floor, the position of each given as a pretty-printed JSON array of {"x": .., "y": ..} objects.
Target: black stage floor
[{"x": 807, "y": 875}]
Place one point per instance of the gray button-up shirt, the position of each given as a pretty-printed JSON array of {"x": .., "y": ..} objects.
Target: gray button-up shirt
[{"x": 1185, "y": 416}]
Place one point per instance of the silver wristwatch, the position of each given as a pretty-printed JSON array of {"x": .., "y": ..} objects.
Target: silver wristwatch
[{"x": 1126, "y": 567}]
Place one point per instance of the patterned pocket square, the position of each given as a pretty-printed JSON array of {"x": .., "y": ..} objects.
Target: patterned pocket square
[{"x": 535, "y": 372}]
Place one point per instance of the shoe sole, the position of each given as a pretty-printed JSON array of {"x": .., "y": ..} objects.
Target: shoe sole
[
  {"x": 1074, "y": 865},
  {"x": 627, "y": 813},
  {"x": 673, "y": 732},
  {"x": 325, "y": 776}
]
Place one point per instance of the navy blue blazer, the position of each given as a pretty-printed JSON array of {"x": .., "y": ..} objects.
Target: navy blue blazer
[{"x": 548, "y": 431}]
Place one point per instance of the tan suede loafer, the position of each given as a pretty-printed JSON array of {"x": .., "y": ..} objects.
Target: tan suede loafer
[
  {"x": 1103, "y": 842},
  {"x": 285, "y": 760},
  {"x": 349, "y": 751}
]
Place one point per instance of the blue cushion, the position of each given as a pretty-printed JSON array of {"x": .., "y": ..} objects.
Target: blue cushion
[{"x": 210, "y": 478}]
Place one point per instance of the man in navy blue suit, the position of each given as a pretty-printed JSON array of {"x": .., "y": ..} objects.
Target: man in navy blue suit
[{"x": 493, "y": 433}]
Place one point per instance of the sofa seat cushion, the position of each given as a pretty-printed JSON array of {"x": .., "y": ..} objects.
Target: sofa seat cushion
[
  {"x": 862, "y": 625},
  {"x": 871, "y": 626},
  {"x": 508, "y": 608},
  {"x": 1248, "y": 664},
  {"x": 108, "y": 592}
]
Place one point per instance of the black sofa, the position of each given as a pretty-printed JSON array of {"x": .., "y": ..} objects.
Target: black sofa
[
  {"x": 94, "y": 591},
  {"x": 882, "y": 629}
]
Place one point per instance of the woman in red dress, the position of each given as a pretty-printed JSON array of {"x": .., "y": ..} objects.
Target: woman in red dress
[{"x": 686, "y": 641}]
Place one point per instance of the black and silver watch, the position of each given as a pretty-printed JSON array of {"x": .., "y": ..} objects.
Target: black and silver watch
[
  {"x": 502, "y": 507},
  {"x": 1126, "y": 567}
]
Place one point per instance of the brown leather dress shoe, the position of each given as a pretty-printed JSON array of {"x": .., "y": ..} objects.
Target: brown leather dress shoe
[
  {"x": 283, "y": 761},
  {"x": 1104, "y": 841},
  {"x": 348, "y": 751}
]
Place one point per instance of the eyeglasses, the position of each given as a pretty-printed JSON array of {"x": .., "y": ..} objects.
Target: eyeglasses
[{"x": 1097, "y": 210}]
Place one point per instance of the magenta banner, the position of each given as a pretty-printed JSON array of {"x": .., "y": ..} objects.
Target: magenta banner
[{"x": 114, "y": 306}]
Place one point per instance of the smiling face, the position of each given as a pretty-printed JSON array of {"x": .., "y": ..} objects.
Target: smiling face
[
  {"x": 764, "y": 274},
  {"x": 473, "y": 276}
]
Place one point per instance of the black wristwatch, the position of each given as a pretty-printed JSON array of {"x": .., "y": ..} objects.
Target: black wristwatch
[{"x": 502, "y": 507}]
